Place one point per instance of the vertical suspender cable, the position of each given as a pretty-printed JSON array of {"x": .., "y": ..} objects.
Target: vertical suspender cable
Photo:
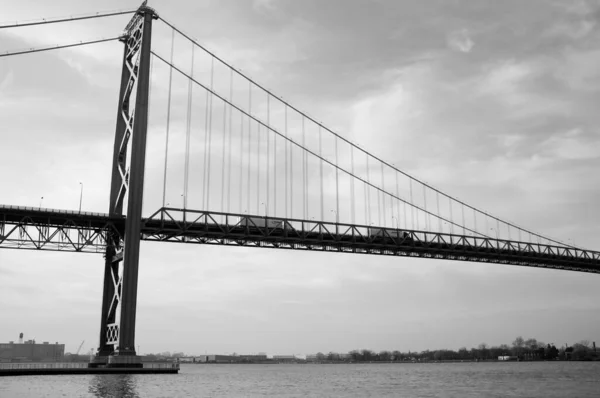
[
  {"x": 258, "y": 169},
  {"x": 168, "y": 121},
  {"x": 368, "y": 188},
  {"x": 352, "y": 203},
  {"x": 205, "y": 160},
  {"x": 412, "y": 207},
  {"x": 212, "y": 75},
  {"x": 337, "y": 184},
  {"x": 223, "y": 134},
  {"x": 248, "y": 183},
  {"x": 286, "y": 164},
  {"x": 268, "y": 152},
  {"x": 188, "y": 126},
  {"x": 383, "y": 198},
  {"x": 291, "y": 172},
  {"x": 367, "y": 221},
  {"x": 437, "y": 199},
  {"x": 303, "y": 171},
  {"x": 498, "y": 229},
  {"x": 398, "y": 205},
  {"x": 229, "y": 143},
  {"x": 274, "y": 174},
  {"x": 321, "y": 172},
  {"x": 425, "y": 207},
  {"x": 241, "y": 160},
  {"x": 463, "y": 219},
  {"x": 451, "y": 217},
  {"x": 487, "y": 229}
]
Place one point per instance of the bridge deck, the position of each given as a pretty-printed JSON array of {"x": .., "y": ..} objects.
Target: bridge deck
[{"x": 50, "y": 229}]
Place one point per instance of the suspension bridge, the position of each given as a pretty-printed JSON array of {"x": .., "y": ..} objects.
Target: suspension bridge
[{"x": 256, "y": 171}]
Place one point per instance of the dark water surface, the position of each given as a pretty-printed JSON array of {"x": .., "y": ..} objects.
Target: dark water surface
[{"x": 516, "y": 379}]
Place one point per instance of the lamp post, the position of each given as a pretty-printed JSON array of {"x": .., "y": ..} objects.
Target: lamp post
[
  {"x": 497, "y": 237},
  {"x": 266, "y": 208},
  {"x": 80, "y": 196},
  {"x": 41, "y": 200},
  {"x": 397, "y": 222},
  {"x": 337, "y": 221}
]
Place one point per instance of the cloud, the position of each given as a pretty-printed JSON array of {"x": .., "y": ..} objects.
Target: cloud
[
  {"x": 572, "y": 145},
  {"x": 264, "y": 5},
  {"x": 460, "y": 40}
]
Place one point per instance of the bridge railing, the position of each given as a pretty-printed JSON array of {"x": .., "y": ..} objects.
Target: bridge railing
[
  {"x": 59, "y": 230},
  {"x": 51, "y": 210}
]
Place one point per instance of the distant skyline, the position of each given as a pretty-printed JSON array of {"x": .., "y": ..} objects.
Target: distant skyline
[{"x": 492, "y": 102}]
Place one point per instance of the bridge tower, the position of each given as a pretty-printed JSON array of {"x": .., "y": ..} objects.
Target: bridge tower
[{"x": 119, "y": 299}]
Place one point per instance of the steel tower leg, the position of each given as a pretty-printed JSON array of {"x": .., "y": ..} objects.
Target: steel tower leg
[
  {"x": 131, "y": 255},
  {"x": 111, "y": 293},
  {"x": 117, "y": 326}
]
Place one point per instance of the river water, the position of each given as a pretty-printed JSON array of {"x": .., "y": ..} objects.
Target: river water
[{"x": 515, "y": 379}]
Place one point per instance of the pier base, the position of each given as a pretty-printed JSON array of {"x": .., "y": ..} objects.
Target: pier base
[
  {"x": 124, "y": 361},
  {"x": 24, "y": 369}
]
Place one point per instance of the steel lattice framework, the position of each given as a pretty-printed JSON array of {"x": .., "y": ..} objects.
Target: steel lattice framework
[
  {"x": 56, "y": 230},
  {"x": 214, "y": 228},
  {"x": 189, "y": 226}
]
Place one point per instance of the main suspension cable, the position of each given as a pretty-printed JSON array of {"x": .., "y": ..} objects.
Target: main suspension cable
[
  {"x": 44, "y": 21},
  {"x": 306, "y": 150},
  {"x": 59, "y": 46},
  {"x": 510, "y": 224}
]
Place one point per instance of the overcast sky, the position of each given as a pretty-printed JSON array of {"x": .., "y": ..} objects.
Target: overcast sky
[{"x": 493, "y": 102}]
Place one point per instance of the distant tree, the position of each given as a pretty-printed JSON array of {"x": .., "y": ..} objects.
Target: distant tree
[
  {"x": 385, "y": 356},
  {"x": 582, "y": 351},
  {"x": 397, "y": 355},
  {"x": 483, "y": 350},
  {"x": 320, "y": 356},
  {"x": 518, "y": 346},
  {"x": 355, "y": 355},
  {"x": 426, "y": 355},
  {"x": 531, "y": 343},
  {"x": 367, "y": 355}
]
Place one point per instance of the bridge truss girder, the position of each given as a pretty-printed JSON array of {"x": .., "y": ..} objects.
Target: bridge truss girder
[
  {"x": 204, "y": 227},
  {"x": 45, "y": 229}
]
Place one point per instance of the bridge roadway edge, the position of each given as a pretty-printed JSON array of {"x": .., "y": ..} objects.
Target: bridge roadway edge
[{"x": 163, "y": 226}]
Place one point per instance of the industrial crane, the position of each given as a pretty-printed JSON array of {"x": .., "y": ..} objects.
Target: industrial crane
[{"x": 79, "y": 349}]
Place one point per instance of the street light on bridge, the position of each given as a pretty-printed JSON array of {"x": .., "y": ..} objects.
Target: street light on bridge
[
  {"x": 266, "y": 208},
  {"x": 80, "y": 196}
]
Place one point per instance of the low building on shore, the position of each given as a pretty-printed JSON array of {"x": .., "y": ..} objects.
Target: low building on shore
[{"x": 29, "y": 351}]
